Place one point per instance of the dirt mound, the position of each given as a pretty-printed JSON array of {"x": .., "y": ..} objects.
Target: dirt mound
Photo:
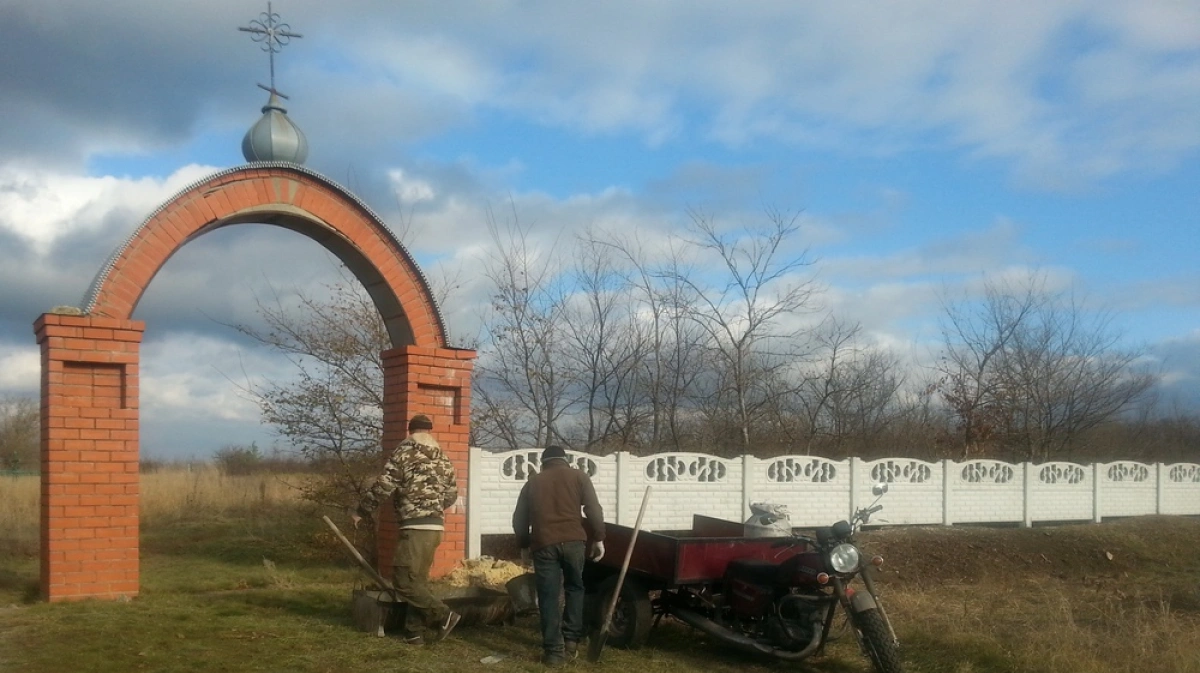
[{"x": 1091, "y": 553}]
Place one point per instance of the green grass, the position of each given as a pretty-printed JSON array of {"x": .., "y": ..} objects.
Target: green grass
[
  {"x": 209, "y": 602},
  {"x": 267, "y": 590}
]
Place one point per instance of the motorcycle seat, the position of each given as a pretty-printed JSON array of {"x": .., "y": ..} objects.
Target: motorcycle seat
[{"x": 751, "y": 570}]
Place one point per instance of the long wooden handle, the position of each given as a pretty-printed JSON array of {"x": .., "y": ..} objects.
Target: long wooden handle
[
  {"x": 637, "y": 526},
  {"x": 362, "y": 562}
]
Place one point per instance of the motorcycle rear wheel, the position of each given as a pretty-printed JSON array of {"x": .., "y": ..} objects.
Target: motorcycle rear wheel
[{"x": 877, "y": 640}]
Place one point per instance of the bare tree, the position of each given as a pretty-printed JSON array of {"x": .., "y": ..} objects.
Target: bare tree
[
  {"x": 849, "y": 393},
  {"x": 671, "y": 363},
  {"x": 1065, "y": 374},
  {"x": 524, "y": 383},
  {"x": 331, "y": 410},
  {"x": 741, "y": 305},
  {"x": 975, "y": 338},
  {"x": 20, "y": 432},
  {"x": 1030, "y": 371},
  {"x": 605, "y": 344}
]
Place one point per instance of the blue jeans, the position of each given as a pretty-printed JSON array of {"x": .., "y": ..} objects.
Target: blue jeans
[{"x": 558, "y": 569}]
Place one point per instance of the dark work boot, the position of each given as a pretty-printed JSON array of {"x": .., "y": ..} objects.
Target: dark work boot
[{"x": 448, "y": 625}]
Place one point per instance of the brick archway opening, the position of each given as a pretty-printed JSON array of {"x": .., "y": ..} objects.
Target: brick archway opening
[{"x": 90, "y": 361}]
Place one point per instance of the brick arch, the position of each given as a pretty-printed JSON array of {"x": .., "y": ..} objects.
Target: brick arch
[
  {"x": 288, "y": 196},
  {"x": 90, "y": 364}
]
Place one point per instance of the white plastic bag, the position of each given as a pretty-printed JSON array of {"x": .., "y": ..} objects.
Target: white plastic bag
[{"x": 768, "y": 520}]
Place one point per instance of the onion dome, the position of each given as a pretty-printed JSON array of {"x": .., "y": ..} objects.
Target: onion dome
[{"x": 274, "y": 137}]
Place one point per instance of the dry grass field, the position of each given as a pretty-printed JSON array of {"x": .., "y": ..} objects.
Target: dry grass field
[{"x": 237, "y": 575}]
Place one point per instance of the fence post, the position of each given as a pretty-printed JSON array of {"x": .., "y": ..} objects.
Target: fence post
[
  {"x": 1158, "y": 487},
  {"x": 474, "y": 502},
  {"x": 947, "y": 520},
  {"x": 749, "y": 462},
  {"x": 1096, "y": 518},
  {"x": 1027, "y": 479},
  {"x": 855, "y": 467},
  {"x": 621, "y": 478}
]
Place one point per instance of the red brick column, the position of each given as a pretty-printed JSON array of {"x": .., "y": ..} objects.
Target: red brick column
[
  {"x": 435, "y": 382},
  {"x": 89, "y": 447}
]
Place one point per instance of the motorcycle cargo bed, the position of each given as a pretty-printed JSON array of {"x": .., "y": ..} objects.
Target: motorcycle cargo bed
[{"x": 697, "y": 556}]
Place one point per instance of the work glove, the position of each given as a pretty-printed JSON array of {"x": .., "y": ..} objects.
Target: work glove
[{"x": 597, "y": 551}]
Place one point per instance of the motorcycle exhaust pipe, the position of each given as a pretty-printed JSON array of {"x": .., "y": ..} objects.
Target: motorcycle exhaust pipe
[{"x": 702, "y": 623}]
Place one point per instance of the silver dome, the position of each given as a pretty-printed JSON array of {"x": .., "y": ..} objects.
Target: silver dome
[{"x": 274, "y": 137}]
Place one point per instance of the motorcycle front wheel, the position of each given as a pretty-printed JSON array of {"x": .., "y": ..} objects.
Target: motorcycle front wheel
[{"x": 877, "y": 641}]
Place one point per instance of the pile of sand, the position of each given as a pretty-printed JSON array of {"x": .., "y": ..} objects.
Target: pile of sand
[{"x": 485, "y": 572}]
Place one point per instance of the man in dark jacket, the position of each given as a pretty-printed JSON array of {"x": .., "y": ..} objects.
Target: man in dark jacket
[
  {"x": 548, "y": 520},
  {"x": 422, "y": 483}
]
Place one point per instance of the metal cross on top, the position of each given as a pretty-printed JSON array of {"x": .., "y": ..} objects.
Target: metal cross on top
[{"x": 274, "y": 36}]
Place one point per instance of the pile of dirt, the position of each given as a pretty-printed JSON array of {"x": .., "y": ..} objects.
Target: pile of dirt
[
  {"x": 1091, "y": 553},
  {"x": 485, "y": 572}
]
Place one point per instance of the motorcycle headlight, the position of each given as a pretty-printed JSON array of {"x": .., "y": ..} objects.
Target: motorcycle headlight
[{"x": 844, "y": 558}]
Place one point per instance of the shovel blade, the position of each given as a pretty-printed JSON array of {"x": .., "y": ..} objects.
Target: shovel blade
[{"x": 596, "y": 645}]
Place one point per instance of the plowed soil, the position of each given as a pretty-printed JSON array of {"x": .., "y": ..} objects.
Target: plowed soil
[{"x": 1110, "y": 554}]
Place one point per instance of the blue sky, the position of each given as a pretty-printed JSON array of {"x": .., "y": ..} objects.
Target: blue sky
[{"x": 927, "y": 146}]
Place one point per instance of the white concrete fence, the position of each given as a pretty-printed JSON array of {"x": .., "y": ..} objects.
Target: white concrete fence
[{"x": 818, "y": 492}]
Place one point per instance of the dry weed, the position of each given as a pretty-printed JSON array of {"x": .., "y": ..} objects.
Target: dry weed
[
  {"x": 176, "y": 494},
  {"x": 166, "y": 496},
  {"x": 19, "y": 502},
  {"x": 1052, "y": 626}
]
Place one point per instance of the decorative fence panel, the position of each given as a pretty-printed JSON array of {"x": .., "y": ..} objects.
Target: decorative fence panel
[
  {"x": 814, "y": 489},
  {"x": 818, "y": 492},
  {"x": 982, "y": 491},
  {"x": 1178, "y": 488},
  {"x": 1129, "y": 489},
  {"x": 1060, "y": 492}
]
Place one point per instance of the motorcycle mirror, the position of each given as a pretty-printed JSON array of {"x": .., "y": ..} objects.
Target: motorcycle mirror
[{"x": 879, "y": 488}]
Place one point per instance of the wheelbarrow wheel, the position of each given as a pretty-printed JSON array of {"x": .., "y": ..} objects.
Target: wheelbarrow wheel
[{"x": 633, "y": 615}]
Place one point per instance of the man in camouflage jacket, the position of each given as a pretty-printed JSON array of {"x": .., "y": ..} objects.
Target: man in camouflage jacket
[{"x": 422, "y": 484}]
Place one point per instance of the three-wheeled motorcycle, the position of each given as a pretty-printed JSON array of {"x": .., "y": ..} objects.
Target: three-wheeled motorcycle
[{"x": 772, "y": 596}]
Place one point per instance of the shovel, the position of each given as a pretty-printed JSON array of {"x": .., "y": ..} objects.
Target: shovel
[
  {"x": 367, "y": 568},
  {"x": 362, "y": 562},
  {"x": 596, "y": 642}
]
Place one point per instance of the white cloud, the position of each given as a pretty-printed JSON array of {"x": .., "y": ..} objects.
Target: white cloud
[
  {"x": 410, "y": 190},
  {"x": 196, "y": 376},
  {"x": 20, "y": 370},
  {"x": 43, "y": 206}
]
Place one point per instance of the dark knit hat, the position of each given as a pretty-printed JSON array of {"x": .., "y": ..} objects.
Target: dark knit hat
[
  {"x": 420, "y": 422},
  {"x": 553, "y": 452}
]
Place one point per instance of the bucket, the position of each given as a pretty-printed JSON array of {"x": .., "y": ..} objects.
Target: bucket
[{"x": 523, "y": 592}]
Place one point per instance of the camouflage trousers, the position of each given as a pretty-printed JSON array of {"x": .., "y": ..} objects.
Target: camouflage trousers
[{"x": 410, "y": 575}]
